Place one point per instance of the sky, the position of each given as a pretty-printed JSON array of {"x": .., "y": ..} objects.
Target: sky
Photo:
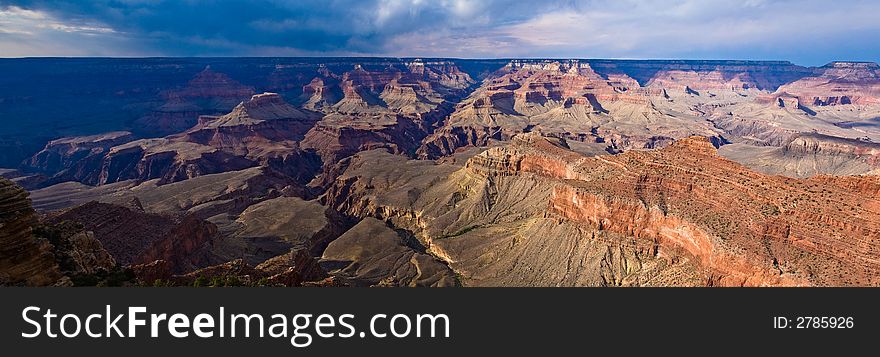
[{"x": 807, "y": 32}]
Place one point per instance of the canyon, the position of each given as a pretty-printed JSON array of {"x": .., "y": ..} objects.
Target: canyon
[{"x": 440, "y": 172}]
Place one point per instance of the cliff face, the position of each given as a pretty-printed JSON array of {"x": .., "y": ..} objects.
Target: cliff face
[
  {"x": 76, "y": 158},
  {"x": 132, "y": 236},
  {"x": 807, "y": 155},
  {"x": 280, "y": 120},
  {"x": 706, "y": 75},
  {"x": 393, "y": 108},
  {"x": 681, "y": 211},
  {"x": 570, "y": 100},
  {"x": 208, "y": 93},
  {"x": 39, "y": 253},
  {"x": 24, "y": 259},
  {"x": 814, "y": 144},
  {"x": 166, "y": 159},
  {"x": 672, "y": 197},
  {"x": 649, "y": 104},
  {"x": 838, "y": 83},
  {"x": 262, "y": 131}
]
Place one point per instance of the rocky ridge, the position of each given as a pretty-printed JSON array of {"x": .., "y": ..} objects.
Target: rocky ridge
[{"x": 659, "y": 210}]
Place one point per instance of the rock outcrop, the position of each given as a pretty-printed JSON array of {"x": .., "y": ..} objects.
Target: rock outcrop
[
  {"x": 24, "y": 259},
  {"x": 807, "y": 155},
  {"x": 262, "y": 131},
  {"x": 132, "y": 236},
  {"x": 838, "y": 83},
  {"x": 568, "y": 100},
  {"x": 290, "y": 269},
  {"x": 166, "y": 159},
  {"x": 393, "y": 108},
  {"x": 705, "y": 76},
  {"x": 76, "y": 158},
  {"x": 36, "y": 253},
  {"x": 208, "y": 93}
]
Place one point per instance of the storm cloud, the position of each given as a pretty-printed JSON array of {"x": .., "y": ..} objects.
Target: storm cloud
[{"x": 807, "y": 32}]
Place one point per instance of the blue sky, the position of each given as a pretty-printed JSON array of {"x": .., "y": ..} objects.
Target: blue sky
[{"x": 808, "y": 32}]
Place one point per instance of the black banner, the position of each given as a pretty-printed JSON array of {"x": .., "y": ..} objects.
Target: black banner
[{"x": 478, "y": 320}]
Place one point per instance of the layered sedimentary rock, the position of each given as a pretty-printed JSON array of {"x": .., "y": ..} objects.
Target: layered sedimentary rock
[
  {"x": 76, "y": 158},
  {"x": 337, "y": 136},
  {"x": 262, "y": 131},
  {"x": 569, "y": 100},
  {"x": 808, "y": 155},
  {"x": 415, "y": 88},
  {"x": 838, "y": 83},
  {"x": 132, "y": 236},
  {"x": 267, "y": 115},
  {"x": 839, "y": 99},
  {"x": 39, "y": 253},
  {"x": 208, "y": 93},
  {"x": 24, "y": 259},
  {"x": 548, "y": 173},
  {"x": 320, "y": 93},
  {"x": 778, "y": 120},
  {"x": 350, "y": 106},
  {"x": 392, "y": 108},
  {"x": 166, "y": 159},
  {"x": 714, "y": 76},
  {"x": 265, "y": 130},
  {"x": 535, "y": 213}
]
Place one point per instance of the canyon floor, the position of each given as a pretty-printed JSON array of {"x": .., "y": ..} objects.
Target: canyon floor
[{"x": 439, "y": 172}]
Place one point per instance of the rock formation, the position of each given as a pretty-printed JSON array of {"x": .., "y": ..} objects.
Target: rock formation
[
  {"x": 262, "y": 131},
  {"x": 372, "y": 254},
  {"x": 76, "y": 158},
  {"x": 35, "y": 253},
  {"x": 838, "y": 83},
  {"x": 208, "y": 93},
  {"x": 568, "y": 100},
  {"x": 705, "y": 76},
  {"x": 24, "y": 259},
  {"x": 133, "y": 237},
  {"x": 807, "y": 155},
  {"x": 393, "y": 108},
  {"x": 638, "y": 218},
  {"x": 290, "y": 269},
  {"x": 428, "y": 172}
]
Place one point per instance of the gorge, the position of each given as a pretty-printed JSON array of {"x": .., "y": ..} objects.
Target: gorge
[{"x": 439, "y": 172}]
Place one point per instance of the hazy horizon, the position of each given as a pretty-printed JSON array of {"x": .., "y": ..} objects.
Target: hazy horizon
[{"x": 453, "y": 58}]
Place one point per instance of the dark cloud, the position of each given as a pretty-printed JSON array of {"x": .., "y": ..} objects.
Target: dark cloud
[
  {"x": 806, "y": 31},
  {"x": 239, "y": 27}
]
